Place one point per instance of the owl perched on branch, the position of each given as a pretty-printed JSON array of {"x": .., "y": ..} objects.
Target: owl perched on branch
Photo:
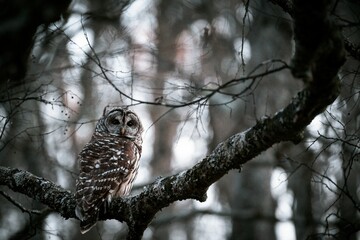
[{"x": 108, "y": 163}]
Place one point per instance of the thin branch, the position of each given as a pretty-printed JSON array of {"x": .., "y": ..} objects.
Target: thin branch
[
  {"x": 18, "y": 205},
  {"x": 246, "y": 215},
  {"x": 204, "y": 99}
]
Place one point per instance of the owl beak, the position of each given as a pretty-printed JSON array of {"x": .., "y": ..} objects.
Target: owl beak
[{"x": 122, "y": 131}]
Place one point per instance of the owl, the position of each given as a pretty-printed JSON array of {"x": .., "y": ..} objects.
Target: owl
[{"x": 108, "y": 163}]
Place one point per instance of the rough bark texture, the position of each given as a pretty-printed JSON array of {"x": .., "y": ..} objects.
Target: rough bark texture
[
  {"x": 318, "y": 59},
  {"x": 40, "y": 189}
]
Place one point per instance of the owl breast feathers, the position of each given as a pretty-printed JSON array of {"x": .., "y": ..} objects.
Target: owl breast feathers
[{"x": 108, "y": 163}]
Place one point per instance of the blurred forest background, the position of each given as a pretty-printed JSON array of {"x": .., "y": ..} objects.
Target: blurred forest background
[{"x": 166, "y": 59}]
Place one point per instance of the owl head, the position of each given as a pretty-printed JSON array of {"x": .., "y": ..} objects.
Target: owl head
[{"x": 120, "y": 122}]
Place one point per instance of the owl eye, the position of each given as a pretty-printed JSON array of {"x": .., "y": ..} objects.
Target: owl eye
[
  {"x": 114, "y": 121},
  {"x": 131, "y": 123}
]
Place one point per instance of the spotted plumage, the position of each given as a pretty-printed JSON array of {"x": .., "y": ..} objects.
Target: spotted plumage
[{"x": 108, "y": 163}]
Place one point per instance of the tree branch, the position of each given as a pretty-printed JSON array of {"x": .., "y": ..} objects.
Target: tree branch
[
  {"x": 325, "y": 59},
  {"x": 139, "y": 210},
  {"x": 40, "y": 189}
]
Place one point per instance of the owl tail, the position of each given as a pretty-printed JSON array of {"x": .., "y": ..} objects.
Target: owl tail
[{"x": 87, "y": 221}]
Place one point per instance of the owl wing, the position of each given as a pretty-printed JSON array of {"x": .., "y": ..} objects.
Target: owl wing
[{"x": 105, "y": 170}]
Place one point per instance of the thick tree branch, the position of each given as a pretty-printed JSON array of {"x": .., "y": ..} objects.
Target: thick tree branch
[
  {"x": 40, "y": 189},
  {"x": 322, "y": 59}
]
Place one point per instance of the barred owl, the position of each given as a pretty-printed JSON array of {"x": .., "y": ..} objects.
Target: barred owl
[{"x": 108, "y": 163}]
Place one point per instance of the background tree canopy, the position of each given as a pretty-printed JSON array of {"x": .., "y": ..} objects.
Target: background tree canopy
[{"x": 251, "y": 112}]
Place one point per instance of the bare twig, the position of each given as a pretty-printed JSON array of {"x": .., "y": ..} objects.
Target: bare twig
[{"x": 17, "y": 204}]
